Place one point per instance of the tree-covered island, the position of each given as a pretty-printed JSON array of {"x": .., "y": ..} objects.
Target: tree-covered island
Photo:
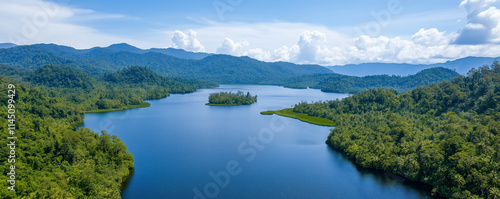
[{"x": 231, "y": 99}]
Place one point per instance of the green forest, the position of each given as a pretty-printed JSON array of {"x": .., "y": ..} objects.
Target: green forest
[
  {"x": 231, "y": 99},
  {"x": 114, "y": 91},
  {"x": 445, "y": 134},
  {"x": 98, "y": 61},
  {"x": 337, "y": 83},
  {"x": 222, "y": 69},
  {"x": 53, "y": 159}
]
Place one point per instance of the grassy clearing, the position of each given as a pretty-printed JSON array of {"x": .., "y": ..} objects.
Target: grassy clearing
[
  {"x": 209, "y": 104},
  {"x": 288, "y": 112},
  {"x": 142, "y": 105}
]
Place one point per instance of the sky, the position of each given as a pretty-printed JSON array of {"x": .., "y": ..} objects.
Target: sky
[{"x": 325, "y": 32}]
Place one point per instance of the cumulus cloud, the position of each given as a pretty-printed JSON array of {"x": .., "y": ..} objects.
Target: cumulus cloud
[
  {"x": 284, "y": 53},
  {"x": 473, "y": 7},
  {"x": 322, "y": 45},
  {"x": 425, "y": 47},
  {"x": 311, "y": 46},
  {"x": 483, "y": 23},
  {"x": 259, "y": 54},
  {"x": 230, "y": 47},
  {"x": 188, "y": 41},
  {"x": 430, "y": 37}
]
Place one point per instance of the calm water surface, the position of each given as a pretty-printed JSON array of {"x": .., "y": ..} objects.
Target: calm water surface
[{"x": 185, "y": 149}]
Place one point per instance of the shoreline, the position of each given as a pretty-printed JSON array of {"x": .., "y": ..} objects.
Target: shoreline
[
  {"x": 388, "y": 174},
  {"x": 288, "y": 112},
  {"x": 141, "y": 105},
  {"x": 209, "y": 104}
]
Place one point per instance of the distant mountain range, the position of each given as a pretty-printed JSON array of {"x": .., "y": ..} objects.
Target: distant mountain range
[
  {"x": 223, "y": 69},
  {"x": 462, "y": 66},
  {"x": 98, "y": 61},
  {"x": 7, "y": 45},
  {"x": 179, "y": 53}
]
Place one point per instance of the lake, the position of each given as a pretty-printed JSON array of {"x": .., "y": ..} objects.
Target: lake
[{"x": 186, "y": 149}]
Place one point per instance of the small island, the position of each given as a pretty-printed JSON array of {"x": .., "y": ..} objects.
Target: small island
[{"x": 231, "y": 99}]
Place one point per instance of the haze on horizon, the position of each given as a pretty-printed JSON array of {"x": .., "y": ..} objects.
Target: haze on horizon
[{"x": 321, "y": 32}]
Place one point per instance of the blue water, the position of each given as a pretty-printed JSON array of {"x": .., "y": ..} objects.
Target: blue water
[{"x": 185, "y": 149}]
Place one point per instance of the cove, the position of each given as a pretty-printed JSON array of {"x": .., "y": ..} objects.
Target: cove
[{"x": 185, "y": 149}]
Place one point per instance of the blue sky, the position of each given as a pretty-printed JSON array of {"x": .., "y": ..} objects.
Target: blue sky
[
  {"x": 334, "y": 14},
  {"x": 318, "y": 31}
]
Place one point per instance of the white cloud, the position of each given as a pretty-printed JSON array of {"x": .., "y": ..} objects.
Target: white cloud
[
  {"x": 44, "y": 21},
  {"x": 483, "y": 24},
  {"x": 259, "y": 54},
  {"x": 284, "y": 53},
  {"x": 230, "y": 47},
  {"x": 188, "y": 41},
  {"x": 430, "y": 37},
  {"x": 311, "y": 46},
  {"x": 425, "y": 47},
  {"x": 265, "y": 35},
  {"x": 475, "y": 26},
  {"x": 475, "y": 6}
]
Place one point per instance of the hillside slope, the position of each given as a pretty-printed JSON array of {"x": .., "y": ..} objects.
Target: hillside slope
[
  {"x": 97, "y": 61},
  {"x": 462, "y": 66},
  {"x": 445, "y": 134}
]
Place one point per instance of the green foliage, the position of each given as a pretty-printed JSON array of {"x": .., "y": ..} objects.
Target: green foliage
[
  {"x": 139, "y": 76},
  {"x": 288, "y": 112},
  {"x": 445, "y": 134},
  {"x": 350, "y": 84},
  {"x": 217, "y": 68},
  {"x": 230, "y": 99},
  {"x": 61, "y": 76},
  {"x": 142, "y": 105},
  {"x": 124, "y": 89},
  {"x": 135, "y": 75},
  {"x": 304, "y": 81},
  {"x": 13, "y": 73},
  {"x": 337, "y": 83},
  {"x": 53, "y": 160},
  {"x": 56, "y": 161}
]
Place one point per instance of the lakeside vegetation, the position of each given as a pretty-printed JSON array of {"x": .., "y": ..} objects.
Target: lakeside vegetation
[
  {"x": 337, "y": 83},
  {"x": 53, "y": 159},
  {"x": 445, "y": 134},
  {"x": 288, "y": 112},
  {"x": 231, "y": 99},
  {"x": 123, "y": 89},
  {"x": 142, "y": 105}
]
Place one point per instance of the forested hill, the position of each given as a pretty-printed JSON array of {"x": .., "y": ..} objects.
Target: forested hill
[
  {"x": 179, "y": 53},
  {"x": 61, "y": 76},
  {"x": 58, "y": 161},
  {"x": 462, "y": 66},
  {"x": 445, "y": 134},
  {"x": 352, "y": 84},
  {"x": 97, "y": 61},
  {"x": 52, "y": 159},
  {"x": 125, "y": 88},
  {"x": 338, "y": 83}
]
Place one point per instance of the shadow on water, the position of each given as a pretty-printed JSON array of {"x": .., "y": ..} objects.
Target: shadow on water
[
  {"x": 387, "y": 178},
  {"x": 126, "y": 182}
]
